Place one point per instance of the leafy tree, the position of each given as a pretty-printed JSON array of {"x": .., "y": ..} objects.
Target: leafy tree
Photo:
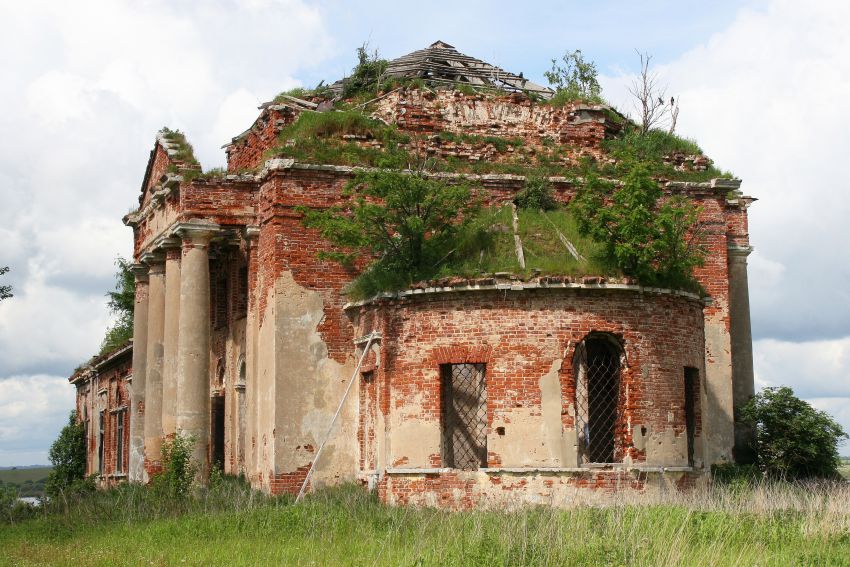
[
  {"x": 576, "y": 78},
  {"x": 651, "y": 238},
  {"x": 406, "y": 222},
  {"x": 793, "y": 440},
  {"x": 121, "y": 304},
  {"x": 5, "y": 290},
  {"x": 68, "y": 456}
]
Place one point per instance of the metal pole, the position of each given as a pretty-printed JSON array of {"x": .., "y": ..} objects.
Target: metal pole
[{"x": 333, "y": 421}]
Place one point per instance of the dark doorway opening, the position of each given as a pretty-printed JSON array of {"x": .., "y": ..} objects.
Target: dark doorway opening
[
  {"x": 218, "y": 431},
  {"x": 464, "y": 416},
  {"x": 691, "y": 393},
  {"x": 598, "y": 399}
]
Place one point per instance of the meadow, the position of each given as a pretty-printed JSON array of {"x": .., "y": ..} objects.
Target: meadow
[{"x": 762, "y": 524}]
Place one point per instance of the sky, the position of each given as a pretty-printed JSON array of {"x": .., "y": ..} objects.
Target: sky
[{"x": 763, "y": 87}]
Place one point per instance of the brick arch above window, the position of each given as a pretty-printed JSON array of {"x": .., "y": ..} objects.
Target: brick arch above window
[{"x": 458, "y": 354}]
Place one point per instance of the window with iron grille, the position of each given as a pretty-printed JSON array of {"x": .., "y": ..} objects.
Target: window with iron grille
[
  {"x": 464, "y": 405},
  {"x": 598, "y": 400}
]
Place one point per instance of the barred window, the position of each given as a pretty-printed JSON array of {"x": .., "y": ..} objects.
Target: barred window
[
  {"x": 464, "y": 405},
  {"x": 598, "y": 399}
]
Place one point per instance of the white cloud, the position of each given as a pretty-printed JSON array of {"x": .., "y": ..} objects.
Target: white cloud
[
  {"x": 32, "y": 411},
  {"x": 85, "y": 88},
  {"x": 766, "y": 98}
]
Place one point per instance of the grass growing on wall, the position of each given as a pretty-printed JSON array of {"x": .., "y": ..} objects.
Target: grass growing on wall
[
  {"x": 543, "y": 249},
  {"x": 761, "y": 525},
  {"x": 317, "y": 137}
]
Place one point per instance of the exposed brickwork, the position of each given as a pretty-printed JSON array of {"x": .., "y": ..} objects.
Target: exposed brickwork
[
  {"x": 103, "y": 389},
  {"x": 520, "y": 335},
  {"x": 264, "y": 263},
  {"x": 247, "y": 151}
]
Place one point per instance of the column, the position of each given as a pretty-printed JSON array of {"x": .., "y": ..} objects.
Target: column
[
  {"x": 740, "y": 334},
  {"x": 137, "y": 387},
  {"x": 155, "y": 350},
  {"x": 193, "y": 351},
  {"x": 171, "y": 335}
]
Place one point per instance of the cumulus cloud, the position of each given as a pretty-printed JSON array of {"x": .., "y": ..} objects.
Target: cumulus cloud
[
  {"x": 33, "y": 409},
  {"x": 89, "y": 85},
  {"x": 766, "y": 99}
]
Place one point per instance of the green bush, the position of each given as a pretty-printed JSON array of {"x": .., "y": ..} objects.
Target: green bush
[
  {"x": 68, "y": 456},
  {"x": 366, "y": 74},
  {"x": 575, "y": 80},
  {"x": 793, "y": 440},
  {"x": 178, "y": 468},
  {"x": 406, "y": 222},
  {"x": 651, "y": 238},
  {"x": 536, "y": 194}
]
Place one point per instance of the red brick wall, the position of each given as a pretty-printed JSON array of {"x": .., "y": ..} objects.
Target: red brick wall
[
  {"x": 247, "y": 152},
  {"x": 519, "y": 334},
  {"x": 111, "y": 393}
]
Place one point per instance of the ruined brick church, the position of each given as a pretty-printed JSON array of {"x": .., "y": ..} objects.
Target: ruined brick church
[{"x": 535, "y": 387}]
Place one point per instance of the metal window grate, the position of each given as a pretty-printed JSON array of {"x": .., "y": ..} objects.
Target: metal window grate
[
  {"x": 464, "y": 399},
  {"x": 597, "y": 400}
]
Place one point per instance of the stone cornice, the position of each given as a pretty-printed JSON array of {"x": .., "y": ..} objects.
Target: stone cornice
[
  {"x": 716, "y": 186},
  {"x": 519, "y": 286}
]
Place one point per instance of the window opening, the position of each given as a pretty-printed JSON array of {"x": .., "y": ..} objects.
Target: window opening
[
  {"x": 597, "y": 399},
  {"x": 100, "y": 442},
  {"x": 464, "y": 403},
  {"x": 691, "y": 396},
  {"x": 119, "y": 449},
  {"x": 218, "y": 431}
]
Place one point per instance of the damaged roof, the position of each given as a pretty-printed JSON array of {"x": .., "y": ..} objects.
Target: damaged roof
[{"x": 442, "y": 63}]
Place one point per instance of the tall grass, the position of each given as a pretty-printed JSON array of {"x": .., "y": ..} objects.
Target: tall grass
[{"x": 767, "y": 524}]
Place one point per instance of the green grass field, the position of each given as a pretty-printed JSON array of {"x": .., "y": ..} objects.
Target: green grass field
[
  {"x": 18, "y": 476},
  {"x": 345, "y": 526},
  {"x": 25, "y": 481}
]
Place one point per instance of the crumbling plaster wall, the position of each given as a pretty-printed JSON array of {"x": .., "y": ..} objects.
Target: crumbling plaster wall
[
  {"x": 527, "y": 340},
  {"x": 501, "y": 490},
  {"x": 305, "y": 353}
]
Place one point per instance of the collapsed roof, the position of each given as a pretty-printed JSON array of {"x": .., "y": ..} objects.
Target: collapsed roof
[{"x": 442, "y": 63}]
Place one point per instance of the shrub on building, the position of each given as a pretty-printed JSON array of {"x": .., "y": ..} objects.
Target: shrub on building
[
  {"x": 408, "y": 223},
  {"x": 650, "y": 237}
]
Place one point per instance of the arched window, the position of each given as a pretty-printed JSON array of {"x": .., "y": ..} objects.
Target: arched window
[{"x": 598, "y": 398}]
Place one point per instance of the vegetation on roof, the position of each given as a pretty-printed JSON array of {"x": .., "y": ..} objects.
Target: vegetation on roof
[
  {"x": 185, "y": 151},
  {"x": 416, "y": 228},
  {"x": 319, "y": 137}
]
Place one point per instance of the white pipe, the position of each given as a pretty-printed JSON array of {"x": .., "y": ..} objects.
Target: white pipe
[{"x": 333, "y": 421}]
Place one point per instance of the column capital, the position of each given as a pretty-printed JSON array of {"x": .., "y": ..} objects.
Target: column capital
[
  {"x": 153, "y": 259},
  {"x": 251, "y": 232},
  {"x": 196, "y": 233},
  {"x": 141, "y": 272},
  {"x": 169, "y": 243},
  {"x": 739, "y": 252}
]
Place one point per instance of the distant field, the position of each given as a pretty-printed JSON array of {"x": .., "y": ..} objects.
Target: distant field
[
  {"x": 845, "y": 467},
  {"x": 19, "y": 476}
]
